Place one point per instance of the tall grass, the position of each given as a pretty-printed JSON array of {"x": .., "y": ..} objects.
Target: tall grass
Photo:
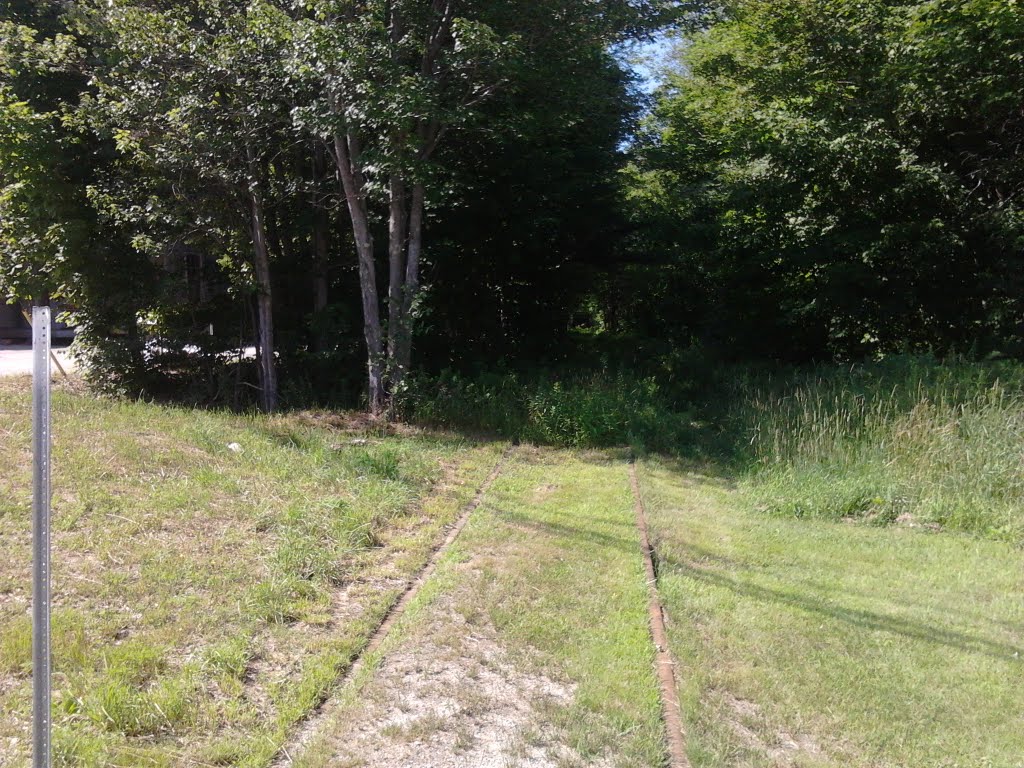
[
  {"x": 913, "y": 440},
  {"x": 908, "y": 440}
]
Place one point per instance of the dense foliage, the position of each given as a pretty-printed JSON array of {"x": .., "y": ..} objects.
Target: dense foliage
[
  {"x": 839, "y": 178},
  {"x": 320, "y": 182},
  {"x": 368, "y": 194}
]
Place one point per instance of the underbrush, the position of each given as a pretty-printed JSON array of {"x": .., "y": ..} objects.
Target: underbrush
[
  {"x": 581, "y": 411},
  {"x": 908, "y": 440}
]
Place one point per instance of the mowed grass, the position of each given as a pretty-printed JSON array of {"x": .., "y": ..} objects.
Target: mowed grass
[
  {"x": 548, "y": 574},
  {"x": 811, "y": 642},
  {"x": 207, "y": 596},
  {"x": 565, "y": 580}
]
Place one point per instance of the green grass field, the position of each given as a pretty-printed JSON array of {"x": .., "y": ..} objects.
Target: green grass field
[
  {"x": 843, "y": 585},
  {"x": 812, "y": 642}
]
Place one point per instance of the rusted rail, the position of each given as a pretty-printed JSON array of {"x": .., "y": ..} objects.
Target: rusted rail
[{"x": 664, "y": 665}]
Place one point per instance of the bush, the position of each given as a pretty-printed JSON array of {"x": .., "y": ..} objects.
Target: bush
[{"x": 582, "y": 411}]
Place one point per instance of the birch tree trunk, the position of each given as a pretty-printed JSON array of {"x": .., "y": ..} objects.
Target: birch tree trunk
[
  {"x": 346, "y": 149},
  {"x": 410, "y": 287},
  {"x": 397, "y": 236},
  {"x": 390, "y": 358}
]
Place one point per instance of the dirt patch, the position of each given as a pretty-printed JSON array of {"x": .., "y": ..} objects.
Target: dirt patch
[
  {"x": 452, "y": 697},
  {"x": 749, "y": 724}
]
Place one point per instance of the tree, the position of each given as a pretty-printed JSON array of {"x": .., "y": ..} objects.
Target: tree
[
  {"x": 397, "y": 77},
  {"x": 197, "y": 102},
  {"x": 796, "y": 147},
  {"x": 958, "y": 66},
  {"x": 44, "y": 216},
  {"x": 221, "y": 139},
  {"x": 518, "y": 249}
]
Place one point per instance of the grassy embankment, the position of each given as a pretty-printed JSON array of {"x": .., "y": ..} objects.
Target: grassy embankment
[{"x": 207, "y": 599}]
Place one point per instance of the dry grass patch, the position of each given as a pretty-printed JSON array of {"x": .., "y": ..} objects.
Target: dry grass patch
[{"x": 208, "y": 597}]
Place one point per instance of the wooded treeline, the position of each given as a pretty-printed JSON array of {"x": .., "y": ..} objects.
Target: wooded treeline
[
  {"x": 830, "y": 178},
  {"x": 364, "y": 190}
]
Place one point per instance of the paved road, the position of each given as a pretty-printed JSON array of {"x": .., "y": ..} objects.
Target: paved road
[{"x": 17, "y": 360}]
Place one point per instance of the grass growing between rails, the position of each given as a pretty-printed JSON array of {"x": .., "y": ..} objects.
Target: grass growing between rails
[
  {"x": 814, "y": 643},
  {"x": 528, "y": 647},
  {"x": 213, "y": 573},
  {"x": 907, "y": 441}
]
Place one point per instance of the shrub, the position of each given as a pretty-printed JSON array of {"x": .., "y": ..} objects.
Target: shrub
[{"x": 586, "y": 411}]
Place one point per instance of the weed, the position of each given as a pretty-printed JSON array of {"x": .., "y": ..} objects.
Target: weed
[
  {"x": 907, "y": 439},
  {"x": 281, "y": 599},
  {"x": 16, "y": 647},
  {"x": 228, "y": 659},
  {"x": 169, "y": 705},
  {"x": 309, "y": 557},
  {"x": 68, "y": 641},
  {"x": 377, "y": 462},
  {"x": 596, "y": 410}
]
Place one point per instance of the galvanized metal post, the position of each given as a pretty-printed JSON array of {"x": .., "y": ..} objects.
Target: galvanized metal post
[{"x": 41, "y": 537}]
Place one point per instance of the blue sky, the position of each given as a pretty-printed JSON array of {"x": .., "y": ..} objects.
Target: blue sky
[{"x": 648, "y": 60}]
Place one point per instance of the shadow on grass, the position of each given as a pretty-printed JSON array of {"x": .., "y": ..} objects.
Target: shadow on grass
[
  {"x": 625, "y": 543},
  {"x": 859, "y": 618},
  {"x": 574, "y": 527}
]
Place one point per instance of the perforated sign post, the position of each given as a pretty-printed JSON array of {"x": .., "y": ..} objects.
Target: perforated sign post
[{"x": 41, "y": 537}]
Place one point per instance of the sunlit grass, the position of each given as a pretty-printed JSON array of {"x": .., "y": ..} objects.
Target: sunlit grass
[
  {"x": 546, "y": 581},
  {"x": 197, "y": 561},
  {"x": 813, "y": 642},
  {"x": 566, "y": 580},
  {"x": 910, "y": 441}
]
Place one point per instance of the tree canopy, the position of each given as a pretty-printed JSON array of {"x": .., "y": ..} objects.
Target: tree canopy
[
  {"x": 362, "y": 192},
  {"x": 839, "y": 178}
]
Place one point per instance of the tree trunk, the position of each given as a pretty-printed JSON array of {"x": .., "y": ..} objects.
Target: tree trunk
[
  {"x": 398, "y": 224},
  {"x": 347, "y": 152},
  {"x": 397, "y": 234},
  {"x": 321, "y": 246},
  {"x": 266, "y": 362},
  {"x": 403, "y": 353},
  {"x": 264, "y": 307}
]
